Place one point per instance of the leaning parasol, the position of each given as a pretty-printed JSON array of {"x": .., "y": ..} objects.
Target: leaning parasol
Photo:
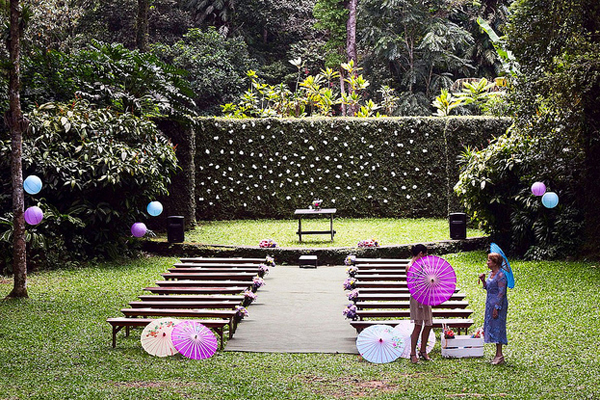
[
  {"x": 431, "y": 280},
  {"x": 194, "y": 340},
  {"x": 379, "y": 344},
  {"x": 510, "y": 279},
  {"x": 156, "y": 337},
  {"x": 405, "y": 329}
]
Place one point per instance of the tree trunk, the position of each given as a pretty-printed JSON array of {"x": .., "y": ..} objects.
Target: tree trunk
[
  {"x": 142, "y": 25},
  {"x": 17, "y": 124},
  {"x": 343, "y": 91},
  {"x": 351, "y": 32}
]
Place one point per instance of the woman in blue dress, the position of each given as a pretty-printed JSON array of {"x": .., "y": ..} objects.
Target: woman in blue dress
[{"x": 496, "y": 306}]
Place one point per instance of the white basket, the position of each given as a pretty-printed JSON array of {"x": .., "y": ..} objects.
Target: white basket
[{"x": 462, "y": 346}]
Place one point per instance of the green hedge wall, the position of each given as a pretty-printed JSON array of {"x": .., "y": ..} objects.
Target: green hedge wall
[{"x": 384, "y": 167}]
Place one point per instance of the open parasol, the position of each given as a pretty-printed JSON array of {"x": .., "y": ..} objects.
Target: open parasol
[
  {"x": 194, "y": 340},
  {"x": 510, "y": 279},
  {"x": 379, "y": 344},
  {"x": 156, "y": 337},
  {"x": 431, "y": 280},
  {"x": 405, "y": 329}
]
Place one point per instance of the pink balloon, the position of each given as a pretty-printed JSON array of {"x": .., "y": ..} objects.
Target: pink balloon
[
  {"x": 138, "y": 229},
  {"x": 538, "y": 189},
  {"x": 34, "y": 215}
]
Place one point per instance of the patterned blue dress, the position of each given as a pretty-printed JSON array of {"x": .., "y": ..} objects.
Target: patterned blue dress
[{"x": 494, "y": 330}]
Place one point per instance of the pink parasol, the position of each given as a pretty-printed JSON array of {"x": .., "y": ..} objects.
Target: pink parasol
[
  {"x": 379, "y": 344},
  {"x": 405, "y": 329},
  {"x": 194, "y": 340},
  {"x": 431, "y": 280},
  {"x": 156, "y": 337}
]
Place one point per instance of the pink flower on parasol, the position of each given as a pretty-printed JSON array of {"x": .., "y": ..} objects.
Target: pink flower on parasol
[
  {"x": 431, "y": 280},
  {"x": 156, "y": 337},
  {"x": 194, "y": 340},
  {"x": 379, "y": 344}
]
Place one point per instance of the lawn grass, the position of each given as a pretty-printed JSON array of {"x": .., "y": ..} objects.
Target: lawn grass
[
  {"x": 388, "y": 231},
  {"x": 57, "y": 345}
]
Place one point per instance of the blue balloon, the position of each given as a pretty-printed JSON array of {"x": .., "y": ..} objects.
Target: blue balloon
[
  {"x": 32, "y": 184},
  {"x": 154, "y": 208},
  {"x": 550, "y": 199}
]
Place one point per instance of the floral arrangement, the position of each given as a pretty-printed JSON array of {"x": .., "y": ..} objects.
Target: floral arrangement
[
  {"x": 240, "y": 313},
  {"x": 317, "y": 204},
  {"x": 270, "y": 261},
  {"x": 350, "y": 312},
  {"x": 267, "y": 244},
  {"x": 257, "y": 282},
  {"x": 368, "y": 243},
  {"x": 353, "y": 295},
  {"x": 478, "y": 333},
  {"x": 263, "y": 269},
  {"x": 249, "y": 297},
  {"x": 448, "y": 333},
  {"x": 349, "y": 284},
  {"x": 350, "y": 259},
  {"x": 352, "y": 270}
]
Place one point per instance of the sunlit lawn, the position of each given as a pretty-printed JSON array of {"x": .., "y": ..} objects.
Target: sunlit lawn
[
  {"x": 349, "y": 232},
  {"x": 56, "y": 345}
]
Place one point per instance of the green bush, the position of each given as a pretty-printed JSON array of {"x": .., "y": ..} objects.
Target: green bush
[
  {"x": 99, "y": 168},
  {"x": 495, "y": 184},
  {"x": 382, "y": 167}
]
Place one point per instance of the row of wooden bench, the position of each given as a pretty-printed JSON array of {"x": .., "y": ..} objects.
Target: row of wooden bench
[
  {"x": 384, "y": 297},
  {"x": 209, "y": 289}
]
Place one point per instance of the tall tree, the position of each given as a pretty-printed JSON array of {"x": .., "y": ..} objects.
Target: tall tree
[
  {"x": 17, "y": 125},
  {"x": 351, "y": 30},
  {"x": 557, "y": 45},
  {"x": 142, "y": 25}
]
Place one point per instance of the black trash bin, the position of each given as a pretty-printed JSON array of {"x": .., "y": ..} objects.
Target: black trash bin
[
  {"x": 458, "y": 225},
  {"x": 175, "y": 229}
]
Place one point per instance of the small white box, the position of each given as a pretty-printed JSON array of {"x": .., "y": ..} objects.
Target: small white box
[{"x": 462, "y": 346}]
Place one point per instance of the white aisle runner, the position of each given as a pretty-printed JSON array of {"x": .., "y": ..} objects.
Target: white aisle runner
[{"x": 299, "y": 310}]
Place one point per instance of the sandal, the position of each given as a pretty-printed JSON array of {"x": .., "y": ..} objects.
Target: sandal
[
  {"x": 424, "y": 356},
  {"x": 498, "y": 360},
  {"x": 414, "y": 359}
]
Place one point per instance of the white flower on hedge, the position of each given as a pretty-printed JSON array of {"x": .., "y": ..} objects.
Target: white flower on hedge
[
  {"x": 207, "y": 151},
  {"x": 210, "y": 203},
  {"x": 345, "y": 144},
  {"x": 408, "y": 196},
  {"x": 338, "y": 188},
  {"x": 333, "y": 200},
  {"x": 243, "y": 126},
  {"x": 337, "y": 177},
  {"x": 404, "y": 173},
  {"x": 326, "y": 171},
  {"x": 339, "y": 167},
  {"x": 403, "y": 188},
  {"x": 250, "y": 140},
  {"x": 301, "y": 130},
  {"x": 241, "y": 152},
  {"x": 325, "y": 142},
  {"x": 379, "y": 130},
  {"x": 371, "y": 146},
  {"x": 428, "y": 194},
  {"x": 400, "y": 145},
  {"x": 217, "y": 197},
  {"x": 384, "y": 188},
  {"x": 385, "y": 200},
  {"x": 347, "y": 128},
  {"x": 288, "y": 198},
  {"x": 414, "y": 186},
  {"x": 230, "y": 141},
  {"x": 424, "y": 150},
  {"x": 357, "y": 183},
  {"x": 261, "y": 136},
  {"x": 353, "y": 198},
  {"x": 327, "y": 158},
  {"x": 311, "y": 147},
  {"x": 231, "y": 131},
  {"x": 201, "y": 199},
  {"x": 393, "y": 173},
  {"x": 369, "y": 197},
  {"x": 335, "y": 138},
  {"x": 245, "y": 205},
  {"x": 216, "y": 138},
  {"x": 257, "y": 197},
  {"x": 217, "y": 166},
  {"x": 411, "y": 141},
  {"x": 408, "y": 152},
  {"x": 268, "y": 126}
]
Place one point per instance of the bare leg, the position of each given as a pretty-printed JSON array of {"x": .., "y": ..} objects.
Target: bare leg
[
  {"x": 499, "y": 358},
  {"x": 414, "y": 338},
  {"x": 424, "y": 338}
]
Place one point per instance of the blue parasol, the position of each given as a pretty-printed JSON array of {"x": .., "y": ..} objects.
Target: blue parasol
[{"x": 510, "y": 279}]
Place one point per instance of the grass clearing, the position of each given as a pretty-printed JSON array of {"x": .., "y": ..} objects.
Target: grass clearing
[
  {"x": 388, "y": 231},
  {"x": 57, "y": 345}
]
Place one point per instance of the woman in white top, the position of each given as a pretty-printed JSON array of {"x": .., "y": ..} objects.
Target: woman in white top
[{"x": 420, "y": 315}]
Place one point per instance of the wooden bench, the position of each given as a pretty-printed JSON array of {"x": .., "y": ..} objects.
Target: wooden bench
[
  {"x": 381, "y": 261},
  {"x": 193, "y": 298},
  {"x": 228, "y": 260},
  {"x": 216, "y": 265},
  {"x": 454, "y": 323},
  {"x": 383, "y": 271},
  {"x": 405, "y": 313},
  {"x": 204, "y": 283},
  {"x": 391, "y": 296},
  {"x": 242, "y": 276},
  {"x": 123, "y": 322},
  {"x": 211, "y": 270},
  {"x": 184, "y": 304},
  {"x": 362, "y": 277},
  {"x": 228, "y": 315},
  {"x": 197, "y": 290},
  {"x": 406, "y": 304}
]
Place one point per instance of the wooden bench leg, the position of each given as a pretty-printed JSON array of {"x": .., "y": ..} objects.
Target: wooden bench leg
[{"x": 115, "y": 330}]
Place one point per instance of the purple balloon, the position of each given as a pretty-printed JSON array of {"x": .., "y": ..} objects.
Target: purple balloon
[
  {"x": 138, "y": 229},
  {"x": 34, "y": 215},
  {"x": 538, "y": 189}
]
